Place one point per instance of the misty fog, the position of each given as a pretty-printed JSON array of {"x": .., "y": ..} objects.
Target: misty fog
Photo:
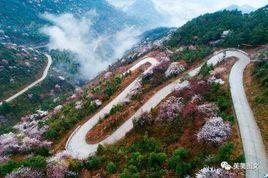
[{"x": 93, "y": 50}]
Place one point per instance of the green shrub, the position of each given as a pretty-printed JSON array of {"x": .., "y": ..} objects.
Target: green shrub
[
  {"x": 205, "y": 69},
  {"x": 240, "y": 159},
  {"x": 76, "y": 165},
  {"x": 222, "y": 102},
  {"x": 111, "y": 168},
  {"x": 130, "y": 172},
  {"x": 145, "y": 145},
  {"x": 116, "y": 108},
  {"x": 182, "y": 168},
  {"x": 156, "y": 159},
  {"x": 177, "y": 162},
  {"x": 259, "y": 100},
  {"x": 138, "y": 160},
  {"x": 8, "y": 167},
  {"x": 51, "y": 134},
  {"x": 177, "y": 156},
  {"x": 43, "y": 151},
  {"x": 225, "y": 152},
  {"x": 35, "y": 162},
  {"x": 93, "y": 163},
  {"x": 100, "y": 149},
  {"x": 5, "y": 107}
]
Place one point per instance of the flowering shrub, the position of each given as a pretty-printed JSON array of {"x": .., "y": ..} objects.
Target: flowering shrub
[
  {"x": 25, "y": 172},
  {"x": 145, "y": 119},
  {"x": 8, "y": 143},
  {"x": 28, "y": 143},
  {"x": 31, "y": 129},
  {"x": 156, "y": 76},
  {"x": 196, "y": 87},
  {"x": 215, "y": 131},
  {"x": 175, "y": 68},
  {"x": 210, "y": 172},
  {"x": 196, "y": 98},
  {"x": 209, "y": 109},
  {"x": 28, "y": 136},
  {"x": 57, "y": 169},
  {"x": 134, "y": 91},
  {"x": 57, "y": 165},
  {"x": 3, "y": 159},
  {"x": 162, "y": 67},
  {"x": 170, "y": 109},
  {"x": 61, "y": 156}
]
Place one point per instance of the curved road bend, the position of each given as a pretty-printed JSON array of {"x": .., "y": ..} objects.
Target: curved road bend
[
  {"x": 34, "y": 83},
  {"x": 253, "y": 146},
  {"x": 76, "y": 144},
  {"x": 250, "y": 134}
]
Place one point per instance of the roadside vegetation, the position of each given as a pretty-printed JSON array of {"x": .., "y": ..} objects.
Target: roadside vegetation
[
  {"x": 191, "y": 55},
  {"x": 40, "y": 97},
  {"x": 257, "y": 91}
]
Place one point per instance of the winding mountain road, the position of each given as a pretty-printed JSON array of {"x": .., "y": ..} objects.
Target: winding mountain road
[
  {"x": 44, "y": 75},
  {"x": 252, "y": 141},
  {"x": 76, "y": 144}
]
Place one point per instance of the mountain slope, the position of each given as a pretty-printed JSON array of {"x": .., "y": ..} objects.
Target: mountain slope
[
  {"x": 249, "y": 29},
  {"x": 25, "y": 28},
  {"x": 19, "y": 67}
]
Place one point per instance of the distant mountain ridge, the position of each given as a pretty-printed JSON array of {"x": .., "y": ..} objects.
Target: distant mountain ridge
[{"x": 150, "y": 15}]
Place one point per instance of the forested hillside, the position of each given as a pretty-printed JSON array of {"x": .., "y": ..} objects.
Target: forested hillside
[
  {"x": 19, "y": 66},
  {"x": 165, "y": 108},
  {"x": 25, "y": 29},
  {"x": 239, "y": 29}
]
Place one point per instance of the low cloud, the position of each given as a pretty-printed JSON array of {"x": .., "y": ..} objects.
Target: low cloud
[
  {"x": 178, "y": 12},
  {"x": 94, "y": 51}
]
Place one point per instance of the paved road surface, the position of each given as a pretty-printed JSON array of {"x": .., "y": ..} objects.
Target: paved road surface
[
  {"x": 254, "y": 149},
  {"x": 34, "y": 83},
  {"x": 76, "y": 144},
  {"x": 251, "y": 137}
]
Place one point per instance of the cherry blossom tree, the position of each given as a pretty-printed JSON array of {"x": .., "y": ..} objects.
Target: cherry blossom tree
[
  {"x": 57, "y": 169},
  {"x": 57, "y": 165},
  {"x": 209, "y": 109},
  {"x": 210, "y": 172},
  {"x": 9, "y": 143},
  {"x": 196, "y": 87},
  {"x": 215, "y": 131},
  {"x": 145, "y": 119},
  {"x": 170, "y": 109},
  {"x": 175, "y": 68},
  {"x": 25, "y": 172}
]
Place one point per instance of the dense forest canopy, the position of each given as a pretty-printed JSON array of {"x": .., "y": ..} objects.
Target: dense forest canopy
[{"x": 249, "y": 29}]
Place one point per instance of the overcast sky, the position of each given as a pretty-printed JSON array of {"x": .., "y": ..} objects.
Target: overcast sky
[{"x": 181, "y": 11}]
